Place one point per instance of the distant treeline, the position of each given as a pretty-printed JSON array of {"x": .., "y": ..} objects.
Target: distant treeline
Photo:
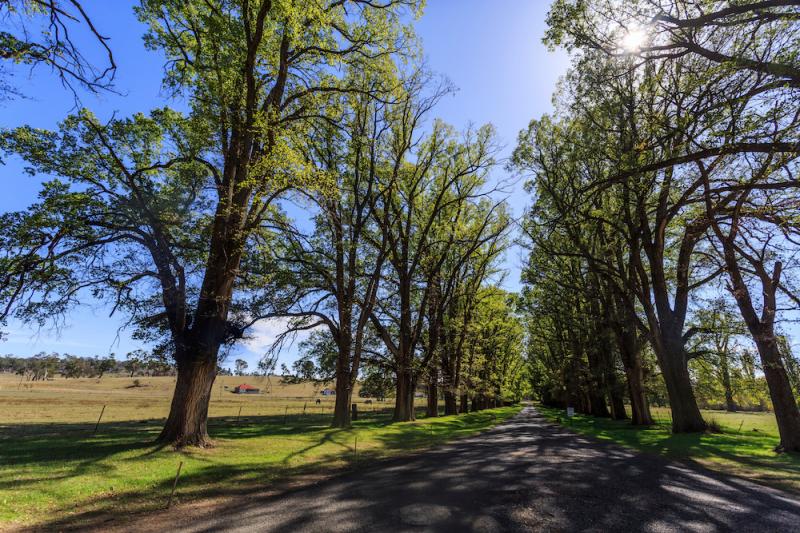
[{"x": 44, "y": 365}]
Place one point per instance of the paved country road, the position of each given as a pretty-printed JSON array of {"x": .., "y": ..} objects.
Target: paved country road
[{"x": 524, "y": 475}]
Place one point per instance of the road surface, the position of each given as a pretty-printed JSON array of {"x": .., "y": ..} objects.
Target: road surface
[{"x": 524, "y": 475}]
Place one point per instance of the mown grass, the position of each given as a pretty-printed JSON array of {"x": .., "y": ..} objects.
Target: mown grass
[
  {"x": 745, "y": 446},
  {"x": 59, "y": 473}
]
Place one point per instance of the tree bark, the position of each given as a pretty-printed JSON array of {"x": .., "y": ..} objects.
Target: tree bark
[
  {"x": 187, "y": 423},
  {"x": 596, "y": 386},
  {"x": 450, "y": 404},
  {"x": 640, "y": 407},
  {"x": 617, "y": 401},
  {"x": 344, "y": 396},
  {"x": 762, "y": 329},
  {"x": 724, "y": 364},
  {"x": 630, "y": 353},
  {"x": 403, "y": 408},
  {"x": 780, "y": 390},
  {"x": 433, "y": 393},
  {"x": 686, "y": 417}
]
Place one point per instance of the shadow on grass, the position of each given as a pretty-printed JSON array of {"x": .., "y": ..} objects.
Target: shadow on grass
[
  {"x": 52, "y": 452},
  {"x": 560, "y": 481},
  {"x": 747, "y": 453}
]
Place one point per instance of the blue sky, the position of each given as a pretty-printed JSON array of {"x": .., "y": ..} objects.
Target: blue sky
[{"x": 491, "y": 51}]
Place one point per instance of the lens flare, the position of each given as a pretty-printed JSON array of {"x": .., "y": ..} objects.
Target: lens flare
[{"x": 633, "y": 40}]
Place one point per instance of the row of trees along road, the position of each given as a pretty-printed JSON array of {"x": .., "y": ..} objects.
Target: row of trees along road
[
  {"x": 181, "y": 220},
  {"x": 667, "y": 173}
]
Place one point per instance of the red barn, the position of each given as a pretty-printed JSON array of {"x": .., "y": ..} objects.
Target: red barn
[{"x": 244, "y": 388}]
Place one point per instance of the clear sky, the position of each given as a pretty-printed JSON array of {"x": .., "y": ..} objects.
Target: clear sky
[{"x": 491, "y": 51}]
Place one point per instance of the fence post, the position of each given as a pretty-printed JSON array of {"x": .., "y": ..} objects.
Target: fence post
[
  {"x": 103, "y": 410},
  {"x": 239, "y": 413},
  {"x": 285, "y": 413},
  {"x": 174, "y": 484}
]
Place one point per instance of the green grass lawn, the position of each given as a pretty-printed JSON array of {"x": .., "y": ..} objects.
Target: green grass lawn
[
  {"x": 745, "y": 446},
  {"x": 61, "y": 473}
]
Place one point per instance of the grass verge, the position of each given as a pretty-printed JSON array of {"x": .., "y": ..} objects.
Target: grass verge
[
  {"x": 744, "y": 447},
  {"x": 60, "y": 474}
]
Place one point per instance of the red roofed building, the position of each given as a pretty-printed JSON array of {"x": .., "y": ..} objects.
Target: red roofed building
[{"x": 244, "y": 388}]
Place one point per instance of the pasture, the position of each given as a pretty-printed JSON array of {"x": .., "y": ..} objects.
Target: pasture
[
  {"x": 81, "y": 400},
  {"x": 55, "y": 471}
]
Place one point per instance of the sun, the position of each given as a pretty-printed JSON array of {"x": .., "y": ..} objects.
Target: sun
[{"x": 633, "y": 40}]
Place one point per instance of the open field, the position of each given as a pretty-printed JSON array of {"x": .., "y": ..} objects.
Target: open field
[
  {"x": 744, "y": 447},
  {"x": 55, "y": 470},
  {"x": 81, "y": 400}
]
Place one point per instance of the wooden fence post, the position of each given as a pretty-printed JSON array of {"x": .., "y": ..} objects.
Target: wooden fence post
[
  {"x": 103, "y": 410},
  {"x": 174, "y": 484}
]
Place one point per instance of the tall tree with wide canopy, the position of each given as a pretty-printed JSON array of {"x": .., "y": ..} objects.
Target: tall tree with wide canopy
[
  {"x": 331, "y": 273},
  {"x": 255, "y": 74},
  {"x": 422, "y": 202},
  {"x": 684, "y": 108},
  {"x": 752, "y": 237}
]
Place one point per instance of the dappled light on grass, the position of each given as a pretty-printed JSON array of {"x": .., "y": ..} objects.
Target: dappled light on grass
[
  {"x": 64, "y": 470},
  {"x": 746, "y": 445}
]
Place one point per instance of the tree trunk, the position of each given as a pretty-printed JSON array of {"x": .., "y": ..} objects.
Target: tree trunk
[
  {"x": 464, "y": 404},
  {"x": 730, "y": 405},
  {"x": 640, "y": 408},
  {"x": 450, "y": 405},
  {"x": 403, "y": 409},
  {"x": 597, "y": 404},
  {"x": 433, "y": 393},
  {"x": 344, "y": 377},
  {"x": 617, "y": 403},
  {"x": 630, "y": 351},
  {"x": 596, "y": 386},
  {"x": 449, "y": 388},
  {"x": 762, "y": 330},
  {"x": 187, "y": 423},
  {"x": 344, "y": 395},
  {"x": 780, "y": 391},
  {"x": 686, "y": 416}
]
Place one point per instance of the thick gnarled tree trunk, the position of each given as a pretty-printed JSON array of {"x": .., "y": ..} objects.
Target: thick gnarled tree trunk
[
  {"x": 187, "y": 423},
  {"x": 784, "y": 404},
  {"x": 404, "y": 398},
  {"x": 762, "y": 329},
  {"x": 617, "y": 401},
  {"x": 672, "y": 359},
  {"x": 449, "y": 388},
  {"x": 630, "y": 353},
  {"x": 342, "y": 417}
]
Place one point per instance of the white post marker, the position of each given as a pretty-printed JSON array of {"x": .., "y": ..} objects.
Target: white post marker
[{"x": 570, "y": 412}]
